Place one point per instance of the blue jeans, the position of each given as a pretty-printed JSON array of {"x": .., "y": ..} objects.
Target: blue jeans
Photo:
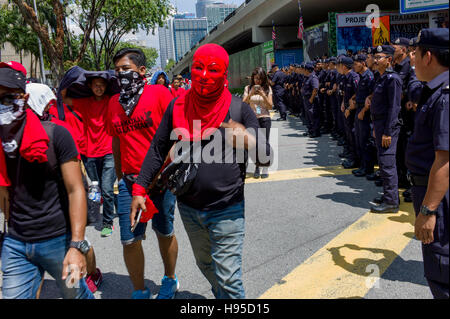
[
  {"x": 102, "y": 169},
  {"x": 162, "y": 222},
  {"x": 217, "y": 239},
  {"x": 24, "y": 264}
]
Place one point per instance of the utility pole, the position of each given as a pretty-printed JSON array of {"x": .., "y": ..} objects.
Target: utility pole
[{"x": 43, "y": 78}]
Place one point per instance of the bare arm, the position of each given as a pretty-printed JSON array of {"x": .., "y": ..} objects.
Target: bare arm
[
  {"x": 4, "y": 201},
  {"x": 75, "y": 261},
  {"x": 438, "y": 181},
  {"x": 117, "y": 157}
]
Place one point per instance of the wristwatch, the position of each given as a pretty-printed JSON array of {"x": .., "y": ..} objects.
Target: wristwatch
[
  {"x": 424, "y": 210},
  {"x": 82, "y": 246}
]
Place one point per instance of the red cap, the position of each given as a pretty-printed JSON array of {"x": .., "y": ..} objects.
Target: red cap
[{"x": 15, "y": 66}]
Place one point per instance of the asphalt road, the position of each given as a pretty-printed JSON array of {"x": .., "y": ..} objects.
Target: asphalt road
[{"x": 291, "y": 220}]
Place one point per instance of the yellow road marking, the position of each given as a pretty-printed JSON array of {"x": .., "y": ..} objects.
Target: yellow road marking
[
  {"x": 299, "y": 173},
  {"x": 349, "y": 265}
]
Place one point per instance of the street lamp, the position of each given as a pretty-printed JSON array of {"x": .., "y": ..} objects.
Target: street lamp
[{"x": 44, "y": 80}]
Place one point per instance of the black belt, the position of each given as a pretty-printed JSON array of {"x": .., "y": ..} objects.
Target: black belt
[
  {"x": 376, "y": 117},
  {"x": 418, "y": 180}
]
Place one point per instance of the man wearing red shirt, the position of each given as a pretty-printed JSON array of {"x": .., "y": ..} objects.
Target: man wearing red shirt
[
  {"x": 176, "y": 88},
  {"x": 98, "y": 160},
  {"x": 133, "y": 118}
]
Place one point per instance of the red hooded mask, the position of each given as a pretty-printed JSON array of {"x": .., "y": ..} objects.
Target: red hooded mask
[{"x": 209, "y": 99}]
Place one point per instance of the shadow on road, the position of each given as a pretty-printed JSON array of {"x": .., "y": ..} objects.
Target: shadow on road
[
  {"x": 114, "y": 286},
  {"x": 391, "y": 266}
]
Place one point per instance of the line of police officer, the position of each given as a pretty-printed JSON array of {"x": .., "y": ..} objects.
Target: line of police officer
[{"x": 375, "y": 106}]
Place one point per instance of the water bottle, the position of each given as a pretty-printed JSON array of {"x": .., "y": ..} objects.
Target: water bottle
[
  {"x": 94, "y": 192},
  {"x": 94, "y": 203}
]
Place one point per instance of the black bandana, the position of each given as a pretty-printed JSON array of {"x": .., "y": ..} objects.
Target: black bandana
[
  {"x": 132, "y": 86},
  {"x": 12, "y": 124}
]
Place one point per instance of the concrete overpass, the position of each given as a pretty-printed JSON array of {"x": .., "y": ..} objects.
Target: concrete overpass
[{"x": 251, "y": 23}]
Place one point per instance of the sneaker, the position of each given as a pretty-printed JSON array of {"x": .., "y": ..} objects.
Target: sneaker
[
  {"x": 94, "y": 281},
  {"x": 141, "y": 294},
  {"x": 107, "y": 230},
  {"x": 169, "y": 287}
]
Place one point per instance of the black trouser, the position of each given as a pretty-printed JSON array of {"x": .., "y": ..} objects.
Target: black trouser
[
  {"x": 349, "y": 124},
  {"x": 279, "y": 101},
  {"x": 362, "y": 135},
  {"x": 265, "y": 123}
]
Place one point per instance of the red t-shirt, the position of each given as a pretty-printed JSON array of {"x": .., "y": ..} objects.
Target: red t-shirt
[
  {"x": 136, "y": 132},
  {"x": 77, "y": 127},
  {"x": 177, "y": 93},
  {"x": 95, "y": 114}
]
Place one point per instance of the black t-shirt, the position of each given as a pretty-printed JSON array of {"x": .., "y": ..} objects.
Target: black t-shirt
[
  {"x": 39, "y": 208},
  {"x": 216, "y": 185}
]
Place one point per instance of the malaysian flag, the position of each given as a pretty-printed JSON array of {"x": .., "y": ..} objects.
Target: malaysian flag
[{"x": 300, "y": 23}]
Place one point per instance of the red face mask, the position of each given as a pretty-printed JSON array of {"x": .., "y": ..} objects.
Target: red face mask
[{"x": 209, "y": 70}]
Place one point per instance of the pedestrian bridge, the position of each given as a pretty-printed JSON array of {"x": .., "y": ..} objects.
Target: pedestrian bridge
[{"x": 251, "y": 24}]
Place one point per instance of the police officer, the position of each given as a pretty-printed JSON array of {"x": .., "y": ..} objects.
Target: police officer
[
  {"x": 403, "y": 68},
  {"x": 310, "y": 100},
  {"x": 340, "y": 85},
  {"x": 348, "y": 107},
  {"x": 427, "y": 158},
  {"x": 362, "y": 119},
  {"x": 277, "y": 82},
  {"x": 373, "y": 67},
  {"x": 385, "y": 108},
  {"x": 332, "y": 96}
]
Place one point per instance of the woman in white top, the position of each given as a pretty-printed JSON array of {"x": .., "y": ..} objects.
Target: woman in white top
[{"x": 259, "y": 96}]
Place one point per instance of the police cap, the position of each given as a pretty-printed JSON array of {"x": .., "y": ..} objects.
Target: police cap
[
  {"x": 387, "y": 49},
  {"x": 345, "y": 60},
  {"x": 401, "y": 41},
  {"x": 433, "y": 38},
  {"x": 360, "y": 58}
]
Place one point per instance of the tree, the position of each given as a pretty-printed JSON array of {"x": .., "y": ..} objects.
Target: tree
[
  {"x": 118, "y": 18},
  {"x": 169, "y": 65},
  {"x": 151, "y": 54},
  {"x": 54, "y": 43}
]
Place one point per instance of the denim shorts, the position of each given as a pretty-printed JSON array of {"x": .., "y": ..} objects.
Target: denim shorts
[
  {"x": 24, "y": 264},
  {"x": 162, "y": 222}
]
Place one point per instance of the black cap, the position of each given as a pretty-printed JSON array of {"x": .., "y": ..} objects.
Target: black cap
[
  {"x": 333, "y": 60},
  {"x": 274, "y": 65},
  {"x": 12, "y": 79},
  {"x": 401, "y": 41},
  {"x": 433, "y": 38},
  {"x": 360, "y": 58},
  {"x": 309, "y": 66},
  {"x": 413, "y": 42},
  {"x": 345, "y": 60},
  {"x": 387, "y": 49}
]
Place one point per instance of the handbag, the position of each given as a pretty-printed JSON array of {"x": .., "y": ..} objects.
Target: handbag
[{"x": 178, "y": 176}]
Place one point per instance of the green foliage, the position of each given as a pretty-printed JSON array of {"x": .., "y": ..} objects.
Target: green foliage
[
  {"x": 151, "y": 54},
  {"x": 19, "y": 33},
  {"x": 169, "y": 65}
]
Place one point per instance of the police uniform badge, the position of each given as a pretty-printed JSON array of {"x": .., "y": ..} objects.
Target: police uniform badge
[
  {"x": 411, "y": 42},
  {"x": 379, "y": 49},
  {"x": 418, "y": 37},
  {"x": 397, "y": 41}
]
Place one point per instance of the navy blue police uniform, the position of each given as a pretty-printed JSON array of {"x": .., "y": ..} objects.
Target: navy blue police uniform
[
  {"x": 351, "y": 85},
  {"x": 362, "y": 127},
  {"x": 279, "y": 79},
  {"x": 431, "y": 134},
  {"x": 312, "y": 109},
  {"x": 385, "y": 108}
]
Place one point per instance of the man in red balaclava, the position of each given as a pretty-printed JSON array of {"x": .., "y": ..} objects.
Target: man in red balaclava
[{"x": 213, "y": 207}]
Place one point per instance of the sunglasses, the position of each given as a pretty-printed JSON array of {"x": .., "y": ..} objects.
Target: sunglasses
[
  {"x": 379, "y": 57},
  {"x": 8, "y": 99}
]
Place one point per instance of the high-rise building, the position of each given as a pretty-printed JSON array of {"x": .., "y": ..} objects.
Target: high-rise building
[
  {"x": 166, "y": 44},
  {"x": 217, "y": 12},
  {"x": 179, "y": 35},
  {"x": 200, "y": 7},
  {"x": 187, "y": 32}
]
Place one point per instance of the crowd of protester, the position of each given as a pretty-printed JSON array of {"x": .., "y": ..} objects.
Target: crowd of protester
[{"x": 387, "y": 106}]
